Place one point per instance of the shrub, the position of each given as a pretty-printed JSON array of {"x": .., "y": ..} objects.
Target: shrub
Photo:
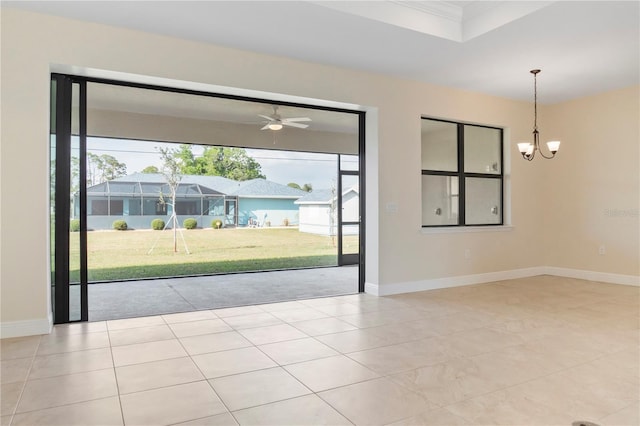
[
  {"x": 216, "y": 224},
  {"x": 74, "y": 225},
  {"x": 190, "y": 223},
  {"x": 119, "y": 225},
  {"x": 157, "y": 224}
]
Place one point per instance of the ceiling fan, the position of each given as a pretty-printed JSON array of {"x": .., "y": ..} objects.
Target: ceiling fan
[{"x": 276, "y": 122}]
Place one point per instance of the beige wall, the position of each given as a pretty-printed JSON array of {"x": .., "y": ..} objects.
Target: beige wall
[
  {"x": 594, "y": 187},
  {"x": 397, "y": 251}
]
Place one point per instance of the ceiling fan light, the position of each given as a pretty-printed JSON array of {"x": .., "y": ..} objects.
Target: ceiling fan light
[
  {"x": 275, "y": 126},
  {"x": 553, "y": 146}
]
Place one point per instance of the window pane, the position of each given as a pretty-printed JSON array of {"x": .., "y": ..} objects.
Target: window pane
[
  {"x": 349, "y": 162},
  {"x": 440, "y": 196},
  {"x": 439, "y": 146},
  {"x": 482, "y": 150},
  {"x": 482, "y": 201}
]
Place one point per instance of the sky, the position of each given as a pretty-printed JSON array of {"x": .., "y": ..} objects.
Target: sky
[{"x": 282, "y": 167}]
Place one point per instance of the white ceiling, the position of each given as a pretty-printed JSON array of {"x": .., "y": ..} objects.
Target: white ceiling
[{"x": 583, "y": 48}]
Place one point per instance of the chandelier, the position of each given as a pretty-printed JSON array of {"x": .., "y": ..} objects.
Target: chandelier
[{"x": 528, "y": 150}]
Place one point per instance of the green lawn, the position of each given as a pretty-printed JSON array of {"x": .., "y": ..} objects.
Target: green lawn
[{"x": 118, "y": 255}]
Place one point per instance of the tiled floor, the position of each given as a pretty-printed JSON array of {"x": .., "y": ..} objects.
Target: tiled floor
[{"x": 535, "y": 351}]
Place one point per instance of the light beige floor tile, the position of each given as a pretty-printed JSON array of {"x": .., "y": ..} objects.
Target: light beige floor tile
[
  {"x": 323, "y": 301},
  {"x": 609, "y": 382},
  {"x": 531, "y": 328},
  {"x": 189, "y": 316},
  {"x": 478, "y": 341},
  {"x": 460, "y": 321},
  {"x": 18, "y": 347},
  {"x": 98, "y": 412},
  {"x": 439, "y": 417},
  {"x": 62, "y": 390},
  {"x": 146, "y": 352},
  {"x": 70, "y": 362},
  {"x": 404, "y": 331},
  {"x": 171, "y": 405},
  {"x": 560, "y": 393},
  {"x": 59, "y": 343},
  {"x": 130, "y": 336},
  {"x": 305, "y": 410},
  {"x": 339, "y": 309},
  {"x": 382, "y": 317},
  {"x": 303, "y": 314},
  {"x": 354, "y": 340},
  {"x": 5, "y": 420},
  {"x": 217, "y": 342},
  {"x": 14, "y": 370},
  {"x": 327, "y": 373},
  {"x": 282, "y": 306},
  {"x": 80, "y": 328},
  {"x": 566, "y": 349},
  {"x": 318, "y": 327},
  {"x": 224, "y": 419},
  {"x": 197, "y": 328},
  {"x": 234, "y": 361},
  {"x": 623, "y": 363},
  {"x": 135, "y": 322},
  {"x": 257, "y": 388},
  {"x": 448, "y": 382},
  {"x": 151, "y": 375},
  {"x": 509, "y": 407},
  {"x": 239, "y": 311},
  {"x": 376, "y": 402},
  {"x": 252, "y": 320},
  {"x": 272, "y": 334},
  {"x": 629, "y": 416},
  {"x": 10, "y": 394},
  {"x": 300, "y": 350},
  {"x": 402, "y": 357},
  {"x": 515, "y": 364},
  {"x": 373, "y": 303}
]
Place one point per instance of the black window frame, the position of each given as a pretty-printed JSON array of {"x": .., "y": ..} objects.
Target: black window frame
[{"x": 462, "y": 175}]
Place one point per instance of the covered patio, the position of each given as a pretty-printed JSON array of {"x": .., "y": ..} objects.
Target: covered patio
[{"x": 128, "y": 299}]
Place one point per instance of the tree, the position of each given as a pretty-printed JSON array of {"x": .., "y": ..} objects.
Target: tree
[
  {"x": 101, "y": 168},
  {"x": 232, "y": 163},
  {"x": 306, "y": 187},
  {"x": 151, "y": 169},
  {"x": 171, "y": 171}
]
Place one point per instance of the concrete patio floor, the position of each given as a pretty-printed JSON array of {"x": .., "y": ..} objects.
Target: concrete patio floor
[{"x": 162, "y": 296}]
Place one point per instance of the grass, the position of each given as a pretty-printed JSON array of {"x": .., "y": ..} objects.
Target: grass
[{"x": 120, "y": 255}]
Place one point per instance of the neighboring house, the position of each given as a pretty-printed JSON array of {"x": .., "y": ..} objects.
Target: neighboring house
[
  {"x": 141, "y": 197},
  {"x": 318, "y": 207}
]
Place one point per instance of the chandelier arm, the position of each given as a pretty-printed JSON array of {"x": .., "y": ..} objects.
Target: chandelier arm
[{"x": 544, "y": 156}]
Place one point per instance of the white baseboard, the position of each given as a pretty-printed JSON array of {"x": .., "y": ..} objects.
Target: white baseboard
[
  {"x": 448, "y": 282},
  {"x": 604, "y": 277},
  {"x": 26, "y": 328}
]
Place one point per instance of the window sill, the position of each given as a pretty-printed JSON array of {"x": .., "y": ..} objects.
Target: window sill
[{"x": 466, "y": 229}]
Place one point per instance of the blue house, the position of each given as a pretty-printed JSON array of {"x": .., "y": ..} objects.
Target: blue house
[{"x": 141, "y": 197}]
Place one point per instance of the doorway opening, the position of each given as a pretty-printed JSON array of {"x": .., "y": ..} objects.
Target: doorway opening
[{"x": 220, "y": 193}]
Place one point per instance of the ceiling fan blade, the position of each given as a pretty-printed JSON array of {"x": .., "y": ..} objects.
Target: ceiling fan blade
[
  {"x": 266, "y": 117},
  {"x": 266, "y": 126},
  {"x": 297, "y": 119},
  {"x": 300, "y": 126}
]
